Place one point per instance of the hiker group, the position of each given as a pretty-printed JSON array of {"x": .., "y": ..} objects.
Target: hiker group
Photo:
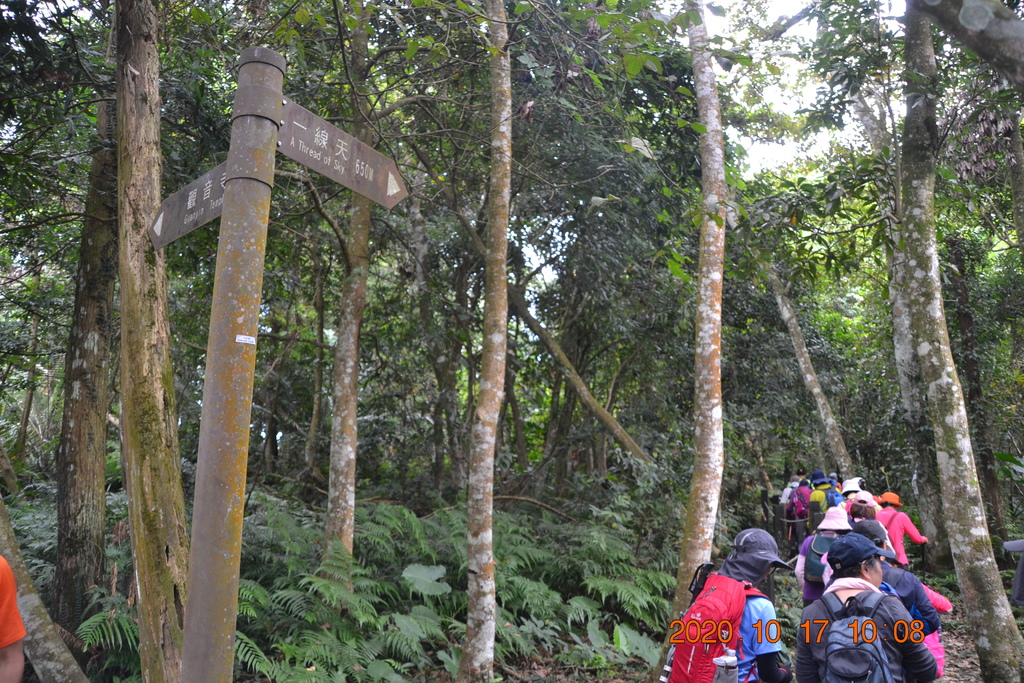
[{"x": 866, "y": 617}]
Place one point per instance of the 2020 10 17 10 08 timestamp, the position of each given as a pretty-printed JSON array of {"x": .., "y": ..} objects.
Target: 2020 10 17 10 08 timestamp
[{"x": 867, "y": 631}]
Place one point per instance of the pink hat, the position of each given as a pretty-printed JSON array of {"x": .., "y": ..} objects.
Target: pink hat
[
  {"x": 864, "y": 498},
  {"x": 835, "y": 520}
]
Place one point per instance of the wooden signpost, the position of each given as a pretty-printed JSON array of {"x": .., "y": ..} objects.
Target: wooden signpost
[{"x": 238, "y": 191}]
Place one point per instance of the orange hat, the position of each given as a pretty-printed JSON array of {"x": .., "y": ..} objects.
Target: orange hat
[{"x": 891, "y": 498}]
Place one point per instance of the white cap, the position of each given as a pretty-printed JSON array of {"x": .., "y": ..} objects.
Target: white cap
[{"x": 851, "y": 485}]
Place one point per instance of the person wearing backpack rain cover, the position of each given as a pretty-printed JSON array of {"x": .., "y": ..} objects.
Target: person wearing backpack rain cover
[
  {"x": 755, "y": 554},
  {"x": 855, "y": 628}
]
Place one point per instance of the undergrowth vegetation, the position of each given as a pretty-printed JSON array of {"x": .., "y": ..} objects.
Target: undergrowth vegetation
[{"x": 566, "y": 591}]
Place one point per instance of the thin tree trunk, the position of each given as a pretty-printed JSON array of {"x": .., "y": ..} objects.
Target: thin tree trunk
[
  {"x": 976, "y": 412},
  {"x": 21, "y": 439},
  {"x": 1017, "y": 180},
  {"x": 987, "y": 609},
  {"x": 522, "y": 457},
  {"x": 149, "y": 433},
  {"x": 81, "y": 454},
  {"x": 573, "y": 378},
  {"x": 341, "y": 498},
  {"x": 477, "y": 663},
  {"x": 313, "y": 435},
  {"x": 840, "y": 457},
  {"x": 45, "y": 649},
  {"x": 709, "y": 459}
]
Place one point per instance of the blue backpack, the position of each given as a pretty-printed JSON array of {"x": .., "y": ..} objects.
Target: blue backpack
[
  {"x": 849, "y": 656},
  {"x": 832, "y": 497}
]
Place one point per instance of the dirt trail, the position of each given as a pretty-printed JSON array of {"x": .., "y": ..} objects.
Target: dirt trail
[{"x": 961, "y": 658}]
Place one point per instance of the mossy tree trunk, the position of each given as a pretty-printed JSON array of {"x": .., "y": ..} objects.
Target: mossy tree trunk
[
  {"x": 477, "y": 663},
  {"x": 149, "y": 426},
  {"x": 81, "y": 454},
  {"x": 701, "y": 514},
  {"x": 987, "y": 608}
]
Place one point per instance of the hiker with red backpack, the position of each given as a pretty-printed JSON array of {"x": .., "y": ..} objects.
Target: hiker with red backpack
[
  {"x": 730, "y": 614},
  {"x": 810, "y": 567}
]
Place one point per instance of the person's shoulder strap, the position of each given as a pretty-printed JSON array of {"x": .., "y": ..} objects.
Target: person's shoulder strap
[{"x": 833, "y": 604}]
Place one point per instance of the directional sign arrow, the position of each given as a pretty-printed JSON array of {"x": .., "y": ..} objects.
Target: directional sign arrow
[
  {"x": 328, "y": 150},
  {"x": 192, "y": 206}
]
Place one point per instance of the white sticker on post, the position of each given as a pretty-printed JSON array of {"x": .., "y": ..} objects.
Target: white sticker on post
[{"x": 245, "y": 339}]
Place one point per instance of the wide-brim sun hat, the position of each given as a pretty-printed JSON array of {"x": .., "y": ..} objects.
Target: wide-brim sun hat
[
  {"x": 851, "y": 486},
  {"x": 818, "y": 477},
  {"x": 758, "y": 542},
  {"x": 835, "y": 520},
  {"x": 1014, "y": 546},
  {"x": 891, "y": 498}
]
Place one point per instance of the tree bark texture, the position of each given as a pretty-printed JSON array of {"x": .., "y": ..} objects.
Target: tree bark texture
[
  {"x": 341, "y": 498},
  {"x": 987, "y": 27},
  {"x": 840, "y": 456},
  {"x": 81, "y": 454},
  {"x": 1017, "y": 180},
  {"x": 45, "y": 649},
  {"x": 477, "y": 663},
  {"x": 922, "y": 451},
  {"x": 149, "y": 431},
  {"x": 997, "y": 639},
  {"x": 709, "y": 460},
  {"x": 976, "y": 413},
  {"x": 922, "y": 444}
]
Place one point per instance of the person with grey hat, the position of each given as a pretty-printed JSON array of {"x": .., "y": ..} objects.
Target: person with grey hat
[
  {"x": 881, "y": 620},
  {"x": 1017, "y": 594},
  {"x": 755, "y": 555},
  {"x": 905, "y": 585}
]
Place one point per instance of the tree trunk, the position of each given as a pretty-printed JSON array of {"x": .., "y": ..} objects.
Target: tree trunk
[
  {"x": 522, "y": 457},
  {"x": 82, "y": 452},
  {"x": 987, "y": 27},
  {"x": 21, "y": 439},
  {"x": 313, "y": 435},
  {"x": 477, "y": 663},
  {"x": 922, "y": 452},
  {"x": 840, "y": 457},
  {"x": 709, "y": 460},
  {"x": 997, "y": 639},
  {"x": 341, "y": 497},
  {"x": 1017, "y": 180},
  {"x": 573, "y": 378},
  {"x": 937, "y": 553},
  {"x": 977, "y": 415},
  {"x": 46, "y": 650},
  {"x": 149, "y": 431}
]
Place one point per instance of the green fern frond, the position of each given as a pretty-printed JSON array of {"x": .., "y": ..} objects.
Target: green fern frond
[{"x": 110, "y": 630}]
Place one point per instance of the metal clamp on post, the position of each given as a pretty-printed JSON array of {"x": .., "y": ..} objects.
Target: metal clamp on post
[{"x": 257, "y": 100}]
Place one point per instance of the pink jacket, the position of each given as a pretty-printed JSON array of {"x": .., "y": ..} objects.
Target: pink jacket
[
  {"x": 939, "y": 601},
  {"x": 897, "y": 524}
]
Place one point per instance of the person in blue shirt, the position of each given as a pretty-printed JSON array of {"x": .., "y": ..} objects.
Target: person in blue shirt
[{"x": 756, "y": 555}]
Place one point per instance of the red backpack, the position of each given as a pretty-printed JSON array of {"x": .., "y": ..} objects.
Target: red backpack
[{"x": 711, "y": 624}]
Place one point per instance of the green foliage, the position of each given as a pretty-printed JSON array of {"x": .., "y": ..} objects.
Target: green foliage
[{"x": 385, "y": 614}]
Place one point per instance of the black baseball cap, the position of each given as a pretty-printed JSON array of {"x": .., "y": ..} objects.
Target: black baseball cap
[{"x": 852, "y": 549}]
